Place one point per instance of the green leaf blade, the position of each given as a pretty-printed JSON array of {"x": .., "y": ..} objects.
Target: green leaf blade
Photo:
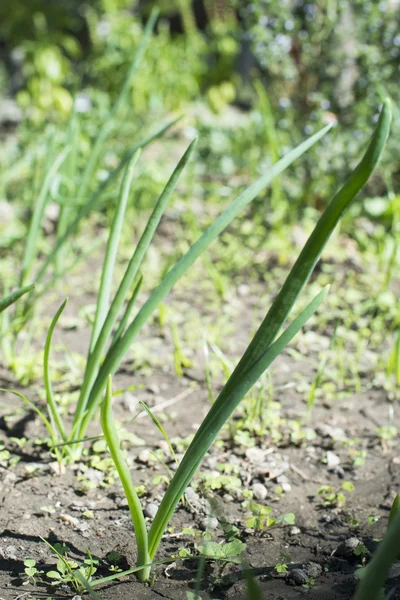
[{"x": 217, "y": 416}]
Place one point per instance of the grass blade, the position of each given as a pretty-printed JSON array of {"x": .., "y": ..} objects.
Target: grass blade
[
  {"x": 253, "y": 589},
  {"x": 86, "y": 585},
  {"x": 160, "y": 429},
  {"x": 69, "y": 171},
  {"x": 109, "y": 578},
  {"x": 217, "y": 416}
]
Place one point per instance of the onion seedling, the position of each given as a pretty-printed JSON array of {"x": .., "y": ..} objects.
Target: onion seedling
[
  {"x": 260, "y": 353},
  {"x": 102, "y": 362},
  {"x": 115, "y": 329}
]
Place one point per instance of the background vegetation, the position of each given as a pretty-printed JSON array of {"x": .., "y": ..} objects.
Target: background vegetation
[{"x": 89, "y": 138}]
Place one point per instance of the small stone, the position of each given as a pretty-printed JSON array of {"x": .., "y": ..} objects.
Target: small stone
[
  {"x": 7, "y": 212},
  {"x": 191, "y": 495},
  {"x": 143, "y": 457},
  {"x": 259, "y": 490},
  {"x": 94, "y": 475},
  {"x": 10, "y": 112},
  {"x": 212, "y": 462},
  {"x": 151, "y": 510},
  {"x": 70, "y": 520},
  {"x": 78, "y": 506},
  {"x": 57, "y": 468},
  {"x": 346, "y": 548},
  {"x": 52, "y": 211},
  {"x": 336, "y": 433},
  {"x": 209, "y": 523},
  {"x": 163, "y": 444},
  {"x": 123, "y": 503},
  {"x": 314, "y": 570},
  {"x": 153, "y": 388},
  {"x": 228, "y": 498},
  {"x": 339, "y": 471},
  {"x": 129, "y": 402},
  {"x": 282, "y": 479},
  {"x": 332, "y": 460},
  {"x": 286, "y": 487},
  {"x": 294, "y": 531},
  {"x": 297, "y": 577},
  {"x": 394, "y": 572},
  {"x": 11, "y": 552},
  {"x": 255, "y": 455}
]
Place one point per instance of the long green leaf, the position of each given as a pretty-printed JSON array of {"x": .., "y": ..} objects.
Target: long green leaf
[
  {"x": 135, "y": 509},
  {"x": 128, "y": 311},
  {"x": 13, "y": 297},
  {"x": 311, "y": 252},
  {"x": 217, "y": 416},
  {"x": 118, "y": 351},
  {"x": 110, "y": 258},
  {"x": 47, "y": 380},
  {"x": 160, "y": 428},
  {"x": 126, "y": 283},
  {"x": 255, "y": 359},
  {"x": 376, "y": 572}
]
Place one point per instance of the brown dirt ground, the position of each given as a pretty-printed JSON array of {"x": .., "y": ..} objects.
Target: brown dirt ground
[{"x": 322, "y": 530}]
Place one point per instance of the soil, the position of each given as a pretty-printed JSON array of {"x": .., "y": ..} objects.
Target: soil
[{"x": 36, "y": 502}]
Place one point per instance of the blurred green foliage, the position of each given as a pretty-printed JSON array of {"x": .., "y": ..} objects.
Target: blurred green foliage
[{"x": 330, "y": 60}]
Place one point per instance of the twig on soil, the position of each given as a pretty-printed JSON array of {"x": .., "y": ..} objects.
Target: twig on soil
[
  {"x": 299, "y": 472},
  {"x": 168, "y": 403},
  {"x": 303, "y": 475}
]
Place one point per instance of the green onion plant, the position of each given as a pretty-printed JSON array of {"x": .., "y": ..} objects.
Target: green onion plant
[{"x": 114, "y": 329}]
